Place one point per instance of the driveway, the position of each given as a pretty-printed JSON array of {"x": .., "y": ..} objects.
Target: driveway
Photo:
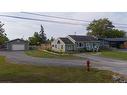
[
  {"x": 97, "y": 62},
  {"x": 20, "y": 57}
]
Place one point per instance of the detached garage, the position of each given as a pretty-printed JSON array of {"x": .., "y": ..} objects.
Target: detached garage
[{"x": 17, "y": 44}]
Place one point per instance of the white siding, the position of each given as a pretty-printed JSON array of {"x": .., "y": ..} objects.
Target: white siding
[
  {"x": 58, "y": 47},
  {"x": 90, "y": 45}
]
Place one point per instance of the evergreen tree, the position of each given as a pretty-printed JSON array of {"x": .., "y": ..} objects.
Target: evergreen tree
[
  {"x": 42, "y": 35},
  {"x": 38, "y": 38},
  {"x": 3, "y": 35}
]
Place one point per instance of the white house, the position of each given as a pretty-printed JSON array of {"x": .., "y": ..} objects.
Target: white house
[
  {"x": 62, "y": 45},
  {"x": 76, "y": 43}
]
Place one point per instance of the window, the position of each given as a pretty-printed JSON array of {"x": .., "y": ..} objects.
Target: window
[
  {"x": 80, "y": 44},
  {"x": 58, "y": 42},
  {"x": 55, "y": 46},
  {"x": 52, "y": 45},
  {"x": 87, "y": 44},
  {"x": 69, "y": 47},
  {"x": 61, "y": 46}
]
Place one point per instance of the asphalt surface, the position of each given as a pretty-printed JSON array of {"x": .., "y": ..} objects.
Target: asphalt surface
[
  {"x": 21, "y": 58},
  {"x": 115, "y": 65},
  {"x": 98, "y": 62}
]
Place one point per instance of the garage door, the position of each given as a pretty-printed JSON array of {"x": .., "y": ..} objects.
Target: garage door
[{"x": 18, "y": 47}]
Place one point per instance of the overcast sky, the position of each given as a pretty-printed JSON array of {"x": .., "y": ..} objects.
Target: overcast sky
[{"x": 18, "y": 28}]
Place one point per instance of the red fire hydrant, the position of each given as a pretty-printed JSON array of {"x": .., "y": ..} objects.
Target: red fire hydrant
[{"x": 88, "y": 65}]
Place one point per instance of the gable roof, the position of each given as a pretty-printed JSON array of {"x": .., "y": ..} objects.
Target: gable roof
[
  {"x": 66, "y": 41},
  {"x": 82, "y": 38},
  {"x": 115, "y": 39},
  {"x": 15, "y": 40}
]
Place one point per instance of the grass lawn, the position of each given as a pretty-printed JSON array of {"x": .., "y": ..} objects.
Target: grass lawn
[
  {"x": 23, "y": 73},
  {"x": 44, "y": 54},
  {"x": 114, "y": 54}
]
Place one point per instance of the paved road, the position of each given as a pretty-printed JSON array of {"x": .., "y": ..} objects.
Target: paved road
[
  {"x": 98, "y": 62},
  {"x": 21, "y": 57},
  {"x": 107, "y": 63}
]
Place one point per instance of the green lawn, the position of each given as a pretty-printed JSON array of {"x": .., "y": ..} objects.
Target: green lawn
[
  {"x": 44, "y": 54},
  {"x": 115, "y": 54},
  {"x": 23, "y": 73}
]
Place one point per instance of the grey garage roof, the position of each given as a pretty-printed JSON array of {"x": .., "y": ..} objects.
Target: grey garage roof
[
  {"x": 82, "y": 38},
  {"x": 115, "y": 39},
  {"x": 66, "y": 41},
  {"x": 15, "y": 40}
]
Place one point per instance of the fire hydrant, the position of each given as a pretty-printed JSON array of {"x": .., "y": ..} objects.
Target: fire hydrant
[{"x": 88, "y": 65}]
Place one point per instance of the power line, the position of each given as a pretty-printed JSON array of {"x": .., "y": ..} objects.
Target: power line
[
  {"x": 52, "y": 21},
  {"x": 64, "y": 18},
  {"x": 121, "y": 26},
  {"x": 55, "y": 17},
  {"x": 23, "y": 24}
]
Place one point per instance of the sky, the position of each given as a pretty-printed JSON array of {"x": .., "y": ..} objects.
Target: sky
[{"x": 19, "y": 28}]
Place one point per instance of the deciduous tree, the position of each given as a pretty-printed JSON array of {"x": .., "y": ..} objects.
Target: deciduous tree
[
  {"x": 38, "y": 38},
  {"x": 104, "y": 28}
]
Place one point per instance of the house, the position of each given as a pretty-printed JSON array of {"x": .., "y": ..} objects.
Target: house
[
  {"x": 75, "y": 43},
  {"x": 62, "y": 45},
  {"x": 17, "y": 44},
  {"x": 113, "y": 42}
]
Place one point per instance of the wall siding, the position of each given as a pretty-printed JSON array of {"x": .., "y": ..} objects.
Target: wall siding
[
  {"x": 58, "y": 48},
  {"x": 9, "y": 44},
  {"x": 85, "y": 45}
]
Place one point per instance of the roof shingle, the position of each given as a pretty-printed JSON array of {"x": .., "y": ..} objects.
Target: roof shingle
[
  {"x": 115, "y": 39},
  {"x": 82, "y": 38},
  {"x": 66, "y": 41},
  {"x": 15, "y": 40}
]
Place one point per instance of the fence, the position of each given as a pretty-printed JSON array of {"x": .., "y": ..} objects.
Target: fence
[{"x": 44, "y": 46}]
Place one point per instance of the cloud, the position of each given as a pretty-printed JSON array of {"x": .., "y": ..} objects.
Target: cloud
[{"x": 17, "y": 28}]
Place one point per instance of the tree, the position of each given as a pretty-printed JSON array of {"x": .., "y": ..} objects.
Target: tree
[
  {"x": 38, "y": 38},
  {"x": 3, "y": 35},
  {"x": 35, "y": 40},
  {"x": 52, "y": 39},
  {"x": 98, "y": 28},
  {"x": 115, "y": 33},
  {"x": 42, "y": 35}
]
